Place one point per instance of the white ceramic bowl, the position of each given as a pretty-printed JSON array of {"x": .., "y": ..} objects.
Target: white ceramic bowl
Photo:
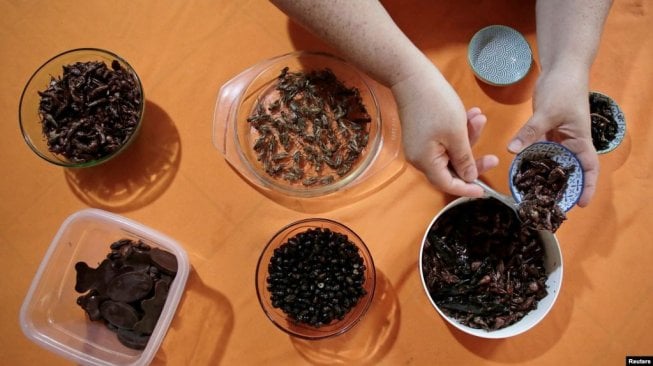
[
  {"x": 499, "y": 55},
  {"x": 50, "y": 316},
  {"x": 552, "y": 265}
]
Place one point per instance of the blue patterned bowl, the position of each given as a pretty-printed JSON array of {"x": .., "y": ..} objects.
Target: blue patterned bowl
[
  {"x": 499, "y": 55},
  {"x": 618, "y": 116},
  {"x": 562, "y": 156}
]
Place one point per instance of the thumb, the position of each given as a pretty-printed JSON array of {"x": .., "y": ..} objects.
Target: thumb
[
  {"x": 528, "y": 134},
  {"x": 461, "y": 158}
]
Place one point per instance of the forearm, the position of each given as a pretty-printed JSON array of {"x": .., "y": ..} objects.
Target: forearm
[
  {"x": 569, "y": 32},
  {"x": 363, "y": 32}
]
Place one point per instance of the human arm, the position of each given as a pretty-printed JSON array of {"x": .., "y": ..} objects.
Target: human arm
[
  {"x": 435, "y": 127},
  {"x": 568, "y": 36}
]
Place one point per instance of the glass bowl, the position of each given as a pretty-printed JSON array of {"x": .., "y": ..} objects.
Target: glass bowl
[
  {"x": 50, "y": 316},
  {"x": 31, "y": 120},
  {"x": 234, "y": 136},
  {"x": 552, "y": 264},
  {"x": 562, "y": 156},
  {"x": 300, "y": 329}
]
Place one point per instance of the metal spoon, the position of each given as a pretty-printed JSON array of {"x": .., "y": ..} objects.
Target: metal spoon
[
  {"x": 506, "y": 200},
  {"x": 490, "y": 192}
]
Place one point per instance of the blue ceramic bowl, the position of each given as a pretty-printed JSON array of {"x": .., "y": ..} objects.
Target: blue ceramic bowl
[
  {"x": 499, "y": 55},
  {"x": 562, "y": 156},
  {"x": 618, "y": 116}
]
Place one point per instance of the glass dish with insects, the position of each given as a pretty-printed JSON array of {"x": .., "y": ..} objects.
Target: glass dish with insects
[{"x": 303, "y": 124}]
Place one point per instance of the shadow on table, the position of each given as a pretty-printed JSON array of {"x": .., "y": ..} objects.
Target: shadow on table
[
  {"x": 368, "y": 341},
  {"x": 526, "y": 346},
  {"x": 139, "y": 175},
  {"x": 201, "y": 328}
]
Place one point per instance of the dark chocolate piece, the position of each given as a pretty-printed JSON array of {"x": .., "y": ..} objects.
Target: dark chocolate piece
[
  {"x": 120, "y": 314},
  {"x": 132, "y": 339},
  {"x": 130, "y": 286},
  {"x": 165, "y": 261}
]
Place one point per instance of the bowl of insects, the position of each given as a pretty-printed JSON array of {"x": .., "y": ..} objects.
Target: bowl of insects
[
  {"x": 315, "y": 279},
  {"x": 608, "y": 122},
  {"x": 81, "y": 108},
  {"x": 303, "y": 124},
  {"x": 485, "y": 272}
]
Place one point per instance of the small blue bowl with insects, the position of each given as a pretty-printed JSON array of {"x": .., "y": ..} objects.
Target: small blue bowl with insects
[
  {"x": 546, "y": 180},
  {"x": 81, "y": 108},
  {"x": 303, "y": 124},
  {"x": 608, "y": 122}
]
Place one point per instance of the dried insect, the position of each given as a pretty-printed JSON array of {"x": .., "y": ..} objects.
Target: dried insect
[
  {"x": 482, "y": 267},
  {"x": 87, "y": 104},
  {"x": 316, "y": 121},
  {"x": 542, "y": 182}
]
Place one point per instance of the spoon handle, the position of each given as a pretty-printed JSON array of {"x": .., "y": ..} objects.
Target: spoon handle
[{"x": 494, "y": 194}]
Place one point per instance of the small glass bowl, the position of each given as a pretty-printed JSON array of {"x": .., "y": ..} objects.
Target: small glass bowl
[
  {"x": 28, "y": 113},
  {"x": 301, "y": 330},
  {"x": 552, "y": 264},
  {"x": 234, "y": 137},
  {"x": 50, "y": 316},
  {"x": 562, "y": 156}
]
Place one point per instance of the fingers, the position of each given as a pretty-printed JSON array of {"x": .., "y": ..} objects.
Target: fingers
[
  {"x": 589, "y": 160},
  {"x": 531, "y": 132},
  {"x": 485, "y": 163},
  {"x": 475, "y": 123},
  {"x": 440, "y": 176},
  {"x": 461, "y": 157}
]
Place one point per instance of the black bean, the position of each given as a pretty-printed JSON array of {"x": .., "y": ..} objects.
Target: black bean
[{"x": 307, "y": 272}]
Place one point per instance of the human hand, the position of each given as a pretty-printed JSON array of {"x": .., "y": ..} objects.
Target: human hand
[
  {"x": 438, "y": 133},
  {"x": 561, "y": 114}
]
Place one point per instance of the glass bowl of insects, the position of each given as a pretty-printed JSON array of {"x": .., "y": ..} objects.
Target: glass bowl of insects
[
  {"x": 303, "y": 124},
  {"x": 315, "y": 279},
  {"x": 486, "y": 273},
  {"x": 81, "y": 108}
]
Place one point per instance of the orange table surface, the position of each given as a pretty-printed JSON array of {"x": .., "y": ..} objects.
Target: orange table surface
[{"x": 175, "y": 181}]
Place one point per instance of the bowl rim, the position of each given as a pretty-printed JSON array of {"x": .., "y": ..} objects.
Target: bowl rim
[
  {"x": 513, "y": 168},
  {"x": 373, "y": 148},
  {"x": 167, "y": 314},
  {"x": 261, "y": 268},
  {"x": 503, "y": 332},
  {"x": 472, "y": 64},
  {"x": 94, "y": 162}
]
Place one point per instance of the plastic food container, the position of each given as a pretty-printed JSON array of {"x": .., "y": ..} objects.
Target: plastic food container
[{"x": 50, "y": 316}]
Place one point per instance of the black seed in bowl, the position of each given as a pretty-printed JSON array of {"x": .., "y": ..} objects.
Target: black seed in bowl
[{"x": 316, "y": 277}]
